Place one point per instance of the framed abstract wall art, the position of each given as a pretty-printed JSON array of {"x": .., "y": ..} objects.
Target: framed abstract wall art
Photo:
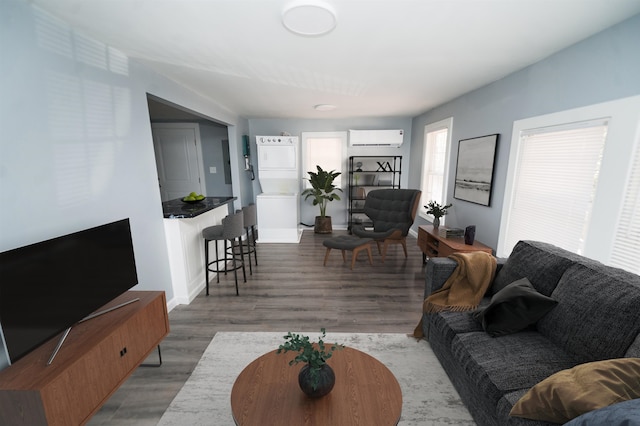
[{"x": 474, "y": 171}]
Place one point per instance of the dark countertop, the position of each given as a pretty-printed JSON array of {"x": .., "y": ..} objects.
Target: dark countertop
[{"x": 178, "y": 209}]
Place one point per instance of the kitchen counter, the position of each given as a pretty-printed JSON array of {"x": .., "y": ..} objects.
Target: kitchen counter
[
  {"x": 183, "y": 225},
  {"x": 178, "y": 209}
]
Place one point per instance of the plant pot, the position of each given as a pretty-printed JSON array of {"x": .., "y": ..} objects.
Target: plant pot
[
  {"x": 325, "y": 384},
  {"x": 323, "y": 225}
]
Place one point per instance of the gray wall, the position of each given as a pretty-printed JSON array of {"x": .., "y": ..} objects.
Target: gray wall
[
  {"x": 336, "y": 209},
  {"x": 212, "y": 156},
  {"x": 602, "y": 68}
]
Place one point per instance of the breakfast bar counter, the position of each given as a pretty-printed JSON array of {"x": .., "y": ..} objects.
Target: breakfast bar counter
[
  {"x": 183, "y": 225},
  {"x": 178, "y": 209}
]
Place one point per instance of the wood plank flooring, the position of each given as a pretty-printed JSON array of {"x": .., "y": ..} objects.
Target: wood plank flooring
[{"x": 289, "y": 290}]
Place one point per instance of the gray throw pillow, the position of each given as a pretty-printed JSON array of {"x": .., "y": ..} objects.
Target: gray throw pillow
[{"x": 513, "y": 308}]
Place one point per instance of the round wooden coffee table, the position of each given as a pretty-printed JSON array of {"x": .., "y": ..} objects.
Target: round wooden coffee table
[{"x": 267, "y": 393}]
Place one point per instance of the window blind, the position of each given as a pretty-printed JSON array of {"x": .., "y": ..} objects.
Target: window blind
[
  {"x": 555, "y": 183},
  {"x": 434, "y": 166},
  {"x": 625, "y": 252}
]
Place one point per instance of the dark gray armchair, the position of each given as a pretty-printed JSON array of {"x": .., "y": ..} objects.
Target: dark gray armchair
[{"x": 392, "y": 212}]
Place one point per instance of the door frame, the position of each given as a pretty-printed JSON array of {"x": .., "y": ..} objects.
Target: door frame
[{"x": 199, "y": 158}]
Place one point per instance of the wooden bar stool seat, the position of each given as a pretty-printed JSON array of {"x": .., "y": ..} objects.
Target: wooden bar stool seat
[{"x": 351, "y": 243}]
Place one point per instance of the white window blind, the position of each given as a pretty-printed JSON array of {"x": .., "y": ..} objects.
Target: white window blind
[
  {"x": 555, "y": 183},
  {"x": 625, "y": 252},
  {"x": 434, "y": 163},
  {"x": 324, "y": 150}
]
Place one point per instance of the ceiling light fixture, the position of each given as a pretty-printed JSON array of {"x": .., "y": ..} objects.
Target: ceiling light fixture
[
  {"x": 309, "y": 18},
  {"x": 324, "y": 107}
]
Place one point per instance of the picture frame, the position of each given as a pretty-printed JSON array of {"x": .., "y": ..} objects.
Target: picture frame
[{"x": 475, "y": 169}]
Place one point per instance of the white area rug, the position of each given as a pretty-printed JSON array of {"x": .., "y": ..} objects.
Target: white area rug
[{"x": 428, "y": 396}]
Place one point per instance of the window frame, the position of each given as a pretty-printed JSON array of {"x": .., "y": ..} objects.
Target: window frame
[
  {"x": 624, "y": 128},
  {"x": 437, "y": 126}
]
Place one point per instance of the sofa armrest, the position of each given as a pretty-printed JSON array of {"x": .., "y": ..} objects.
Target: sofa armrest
[
  {"x": 439, "y": 269},
  {"x": 437, "y": 272}
]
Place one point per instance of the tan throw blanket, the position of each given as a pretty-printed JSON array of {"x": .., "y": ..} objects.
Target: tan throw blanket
[{"x": 466, "y": 286}]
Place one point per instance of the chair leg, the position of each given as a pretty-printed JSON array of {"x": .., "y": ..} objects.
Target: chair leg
[
  {"x": 344, "y": 257},
  {"x": 206, "y": 264},
  {"x": 244, "y": 272},
  {"x": 235, "y": 270},
  {"x": 369, "y": 253},
  {"x": 384, "y": 249},
  {"x": 255, "y": 247},
  {"x": 404, "y": 246},
  {"x": 248, "y": 250},
  {"x": 326, "y": 256},
  {"x": 217, "y": 263},
  {"x": 379, "y": 250}
]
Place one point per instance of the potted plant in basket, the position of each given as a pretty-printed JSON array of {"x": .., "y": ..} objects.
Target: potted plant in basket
[
  {"x": 437, "y": 211},
  {"x": 316, "y": 378},
  {"x": 322, "y": 191}
]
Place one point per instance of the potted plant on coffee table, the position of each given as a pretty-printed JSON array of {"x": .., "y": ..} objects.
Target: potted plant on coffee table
[
  {"x": 322, "y": 191},
  {"x": 316, "y": 378},
  {"x": 437, "y": 211}
]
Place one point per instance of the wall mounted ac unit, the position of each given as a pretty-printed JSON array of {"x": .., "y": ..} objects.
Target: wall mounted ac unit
[{"x": 392, "y": 138}]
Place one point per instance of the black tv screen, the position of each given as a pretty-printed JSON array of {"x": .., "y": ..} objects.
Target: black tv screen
[{"x": 49, "y": 286}]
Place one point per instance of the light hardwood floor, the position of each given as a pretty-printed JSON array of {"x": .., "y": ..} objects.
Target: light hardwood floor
[{"x": 289, "y": 290}]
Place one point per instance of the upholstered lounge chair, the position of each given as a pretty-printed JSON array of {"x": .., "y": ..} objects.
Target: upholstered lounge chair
[{"x": 392, "y": 212}]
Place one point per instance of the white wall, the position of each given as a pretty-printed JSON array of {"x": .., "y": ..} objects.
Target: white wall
[{"x": 75, "y": 148}]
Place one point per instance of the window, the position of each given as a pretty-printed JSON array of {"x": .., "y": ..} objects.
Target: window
[
  {"x": 324, "y": 149},
  {"x": 555, "y": 181},
  {"x": 437, "y": 137},
  {"x": 626, "y": 244},
  {"x": 573, "y": 180}
]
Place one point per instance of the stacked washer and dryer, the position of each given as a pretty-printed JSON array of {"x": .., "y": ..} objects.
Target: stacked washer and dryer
[{"x": 279, "y": 203}]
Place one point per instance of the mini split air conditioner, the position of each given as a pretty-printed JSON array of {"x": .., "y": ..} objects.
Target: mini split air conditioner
[{"x": 392, "y": 138}]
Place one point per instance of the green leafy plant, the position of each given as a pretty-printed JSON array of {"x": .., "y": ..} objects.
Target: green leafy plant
[
  {"x": 437, "y": 210},
  {"x": 314, "y": 354},
  {"x": 322, "y": 188}
]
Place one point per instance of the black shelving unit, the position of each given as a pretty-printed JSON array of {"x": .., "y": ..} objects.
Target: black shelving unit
[{"x": 366, "y": 173}]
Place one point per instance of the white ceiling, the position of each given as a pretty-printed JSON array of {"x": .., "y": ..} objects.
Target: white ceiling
[{"x": 384, "y": 58}]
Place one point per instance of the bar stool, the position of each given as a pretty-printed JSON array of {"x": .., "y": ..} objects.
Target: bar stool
[
  {"x": 231, "y": 228},
  {"x": 250, "y": 214},
  {"x": 250, "y": 217}
]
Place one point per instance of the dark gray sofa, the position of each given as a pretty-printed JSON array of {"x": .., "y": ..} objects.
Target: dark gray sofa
[{"x": 597, "y": 317}]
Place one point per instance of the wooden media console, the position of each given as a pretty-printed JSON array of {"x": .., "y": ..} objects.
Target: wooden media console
[{"x": 96, "y": 358}]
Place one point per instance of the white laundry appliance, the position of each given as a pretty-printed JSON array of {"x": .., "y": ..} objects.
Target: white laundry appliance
[{"x": 279, "y": 203}]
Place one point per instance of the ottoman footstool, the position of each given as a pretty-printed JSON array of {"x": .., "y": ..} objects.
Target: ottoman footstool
[{"x": 351, "y": 243}]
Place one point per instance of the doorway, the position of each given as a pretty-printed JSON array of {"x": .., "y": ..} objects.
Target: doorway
[{"x": 191, "y": 155}]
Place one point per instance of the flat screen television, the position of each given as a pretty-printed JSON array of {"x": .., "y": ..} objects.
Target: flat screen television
[{"x": 49, "y": 286}]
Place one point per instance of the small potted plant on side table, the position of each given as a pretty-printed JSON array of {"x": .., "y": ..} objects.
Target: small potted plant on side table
[
  {"x": 437, "y": 211},
  {"x": 316, "y": 378}
]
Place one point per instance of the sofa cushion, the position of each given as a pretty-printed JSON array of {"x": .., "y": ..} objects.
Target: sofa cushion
[
  {"x": 507, "y": 363},
  {"x": 597, "y": 315},
  {"x": 513, "y": 308},
  {"x": 543, "y": 264},
  {"x": 586, "y": 387},
  {"x": 449, "y": 324},
  {"x": 626, "y": 413}
]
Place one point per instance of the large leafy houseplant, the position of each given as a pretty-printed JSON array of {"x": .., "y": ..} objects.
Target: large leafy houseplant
[
  {"x": 322, "y": 189},
  {"x": 315, "y": 356}
]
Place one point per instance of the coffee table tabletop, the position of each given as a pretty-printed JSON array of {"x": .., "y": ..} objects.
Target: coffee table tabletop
[{"x": 365, "y": 393}]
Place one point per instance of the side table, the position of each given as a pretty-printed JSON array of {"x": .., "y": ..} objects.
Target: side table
[{"x": 433, "y": 245}]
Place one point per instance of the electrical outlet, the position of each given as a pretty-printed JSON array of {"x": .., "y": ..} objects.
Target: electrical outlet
[{"x": 212, "y": 170}]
